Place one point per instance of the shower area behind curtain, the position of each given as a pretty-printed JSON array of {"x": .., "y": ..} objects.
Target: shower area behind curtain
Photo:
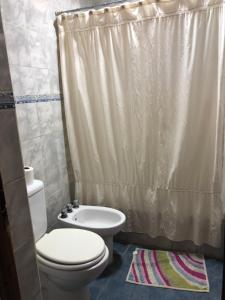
[{"x": 144, "y": 108}]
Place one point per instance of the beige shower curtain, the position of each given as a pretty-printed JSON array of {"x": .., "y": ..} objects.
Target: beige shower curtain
[{"x": 142, "y": 87}]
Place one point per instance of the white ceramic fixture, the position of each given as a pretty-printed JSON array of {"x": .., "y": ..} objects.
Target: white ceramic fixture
[
  {"x": 68, "y": 259},
  {"x": 104, "y": 221}
]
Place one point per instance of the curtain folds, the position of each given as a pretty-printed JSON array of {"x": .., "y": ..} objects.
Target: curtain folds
[{"x": 144, "y": 106}]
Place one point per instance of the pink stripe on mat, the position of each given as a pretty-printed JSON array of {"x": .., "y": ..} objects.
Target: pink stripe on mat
[
  {"x": 193, "y": 273},
  {"x": 200, "y": 267},
  {"x": 159, "y": 270},
  {"x": 194, "y": 260},
  {"x": 144, "y": 267},
  {"x": 134, "y": 273}
]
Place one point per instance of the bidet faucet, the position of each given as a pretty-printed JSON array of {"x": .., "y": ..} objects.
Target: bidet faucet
[
  {"x": 75, "y": 203},
  {"x": 63, "y": 213},
  {"x": 69, "y": 207}
]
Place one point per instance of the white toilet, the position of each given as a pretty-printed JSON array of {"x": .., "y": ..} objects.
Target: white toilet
[{"x": 68, "y": 258}]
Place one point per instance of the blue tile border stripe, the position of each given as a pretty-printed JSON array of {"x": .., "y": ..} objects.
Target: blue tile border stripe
[
  {"x": 37, "y": 98},
  {"x": 7, "y": 105},
  {"x": 6, "y": 100}
]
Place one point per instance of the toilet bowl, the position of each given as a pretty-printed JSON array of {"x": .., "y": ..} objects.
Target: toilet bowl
[
  {"x": 104, "y": 221},
  {"x": 68, "y": 259},
  {"x": 68, "y": 284}
]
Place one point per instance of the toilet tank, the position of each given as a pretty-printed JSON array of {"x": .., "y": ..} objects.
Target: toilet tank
[{"x": 36, "y": 198}]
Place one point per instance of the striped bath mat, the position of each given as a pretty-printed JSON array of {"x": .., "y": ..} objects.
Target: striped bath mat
[{"x": 174, "y": 270}]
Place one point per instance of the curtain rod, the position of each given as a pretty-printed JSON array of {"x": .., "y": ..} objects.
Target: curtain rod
[{"x": 57, "y": 13}]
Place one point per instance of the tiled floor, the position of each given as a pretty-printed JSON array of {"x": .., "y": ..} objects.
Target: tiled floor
[{"x": 112, "y": 285}]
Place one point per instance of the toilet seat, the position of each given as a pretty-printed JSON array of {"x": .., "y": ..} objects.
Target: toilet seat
[
  {"x": 76, "y": 267},
  {"x": 70, "y": 249}
]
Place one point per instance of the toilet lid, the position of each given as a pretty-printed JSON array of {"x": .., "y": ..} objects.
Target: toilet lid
[{"x": 70, "y": 246}]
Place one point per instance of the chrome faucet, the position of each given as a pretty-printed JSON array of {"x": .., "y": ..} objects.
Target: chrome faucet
[{"x": 75, "y": 203}]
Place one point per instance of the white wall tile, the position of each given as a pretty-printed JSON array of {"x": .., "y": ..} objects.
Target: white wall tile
[
  {"x": 57, "y": 115},
  {"x": 51, "y": 46},
  {"x": 18, "y": 46},
  {"x": 13, "y": 12},
  {"x": 46, "y": 118},
  {"x": 33, "y": 156},
  {"x": 23, "y": 80},
  {"x": 28, "y": 121},
  {"x": 39, "y": 50},
  {"x": 41, "y": 79},
  {"x": 54, "y": 81},
  {"x": 36, "y": 13}
]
